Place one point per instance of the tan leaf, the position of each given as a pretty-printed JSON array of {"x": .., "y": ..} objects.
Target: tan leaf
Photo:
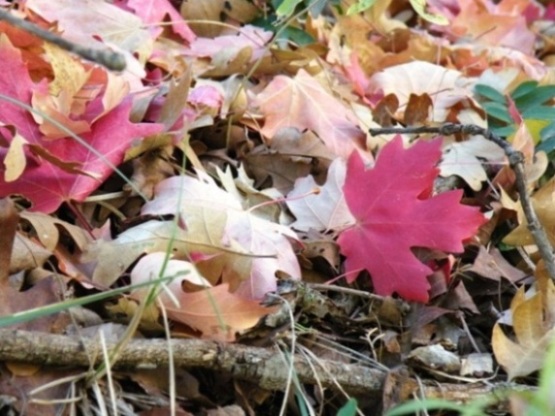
[
  {"x": 534, "y": 331},
  {"x": 441, "y": 84},
  {"x": 217, "y": 313},
  {"x": 217, "y": 219},
  {"x": 302, "y": 102},
  {"x": 47, "y": 230},
  {"x": 26, "y": 254},
  {"x": 326, "y": 210},
  {"x": 461, "y": 159},
  {"x": 542, "y": 202},
  {"x": 280, "y": 168},
  {"x": 8, "y": 224}
]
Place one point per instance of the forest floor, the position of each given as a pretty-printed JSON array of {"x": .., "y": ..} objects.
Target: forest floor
[{"x": 328, "y": 207}]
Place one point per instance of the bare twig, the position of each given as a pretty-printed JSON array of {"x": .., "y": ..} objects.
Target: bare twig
[
  {"x": 110, "y": 59},
  {"x": 516, "y": 161}
]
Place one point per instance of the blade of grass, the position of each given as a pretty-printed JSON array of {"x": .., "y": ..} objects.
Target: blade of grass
[{"x": 31, "y": 314}]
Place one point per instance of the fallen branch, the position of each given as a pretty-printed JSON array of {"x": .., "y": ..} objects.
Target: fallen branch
[
  {"x": 264, "y": 367},
  {"x": 516, "y": 161}
]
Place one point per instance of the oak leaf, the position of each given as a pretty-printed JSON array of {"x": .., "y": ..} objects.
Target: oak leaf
[
  {"x": 462, "y": 159},
  {"x": 395, "y": 212},
  {"x": 444, "y": 86}
]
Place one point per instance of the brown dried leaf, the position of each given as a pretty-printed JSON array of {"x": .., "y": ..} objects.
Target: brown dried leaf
[
  {"x": 534, "y": 328},
  {"x": 418, "y": 111},
  {"x": 8, "y": 225},
  {"x": 543, "y": 202}
]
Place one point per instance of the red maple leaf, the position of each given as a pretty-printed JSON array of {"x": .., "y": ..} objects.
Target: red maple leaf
[
  {"x": 45, "y": 184},
  {"x": 395, "y": 212}
]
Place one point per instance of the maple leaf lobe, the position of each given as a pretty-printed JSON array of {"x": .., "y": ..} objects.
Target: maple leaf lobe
[{"x": 395, "y": 212}]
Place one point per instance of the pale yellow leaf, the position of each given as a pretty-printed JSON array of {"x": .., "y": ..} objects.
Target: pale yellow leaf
[{"x": 15, "y": 160}]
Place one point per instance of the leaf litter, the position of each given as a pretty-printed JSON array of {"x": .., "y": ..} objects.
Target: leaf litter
[{"x": 229, "y": 164}]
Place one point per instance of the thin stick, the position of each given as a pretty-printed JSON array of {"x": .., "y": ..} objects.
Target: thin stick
[
  {"x": 516, "y": 161},
  {"x": 105, "y": 57}
]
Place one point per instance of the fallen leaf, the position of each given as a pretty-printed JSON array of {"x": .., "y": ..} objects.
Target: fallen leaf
[
  {"x": 251, "y": 37},
  {"x": 302, "y": 102},
  {"x": 8, "y": 223},
  {"x": 44, "y": 183},
  {"x": 262, "y": 244},
  {"x": 324, "y": 210},
  {"x": 14, "y": 160},
  {"x": 463, "y": 159},
  {"x": 533, "y": 329},
  {"x": 153, "y": 12},
  {"x": 85, "y": 22},
  {"x": 444, "y": 86},
  {"x": 491, "y": 264},
  {"x": 47, "y": 185},
  {"x": 214, "y": 311},
  {"x": 395, "y": 212},
  {"x": 47, "y": 229},
  {"x": 263, "y": 164},
  {"x": 542, "y": 201},
  {"x": 493, "y": 24},
  {"x": 27, "y": 254}
]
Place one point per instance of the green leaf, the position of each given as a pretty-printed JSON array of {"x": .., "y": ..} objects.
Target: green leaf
[
  {"x": 547, "y": 146},
  {"x": 541, "y": 112},
  {"x": 427, "y": 404},
  {"x": 360, "y": 6},
  {"x": 524, "y": 89},
  {"x": 349, "y": 409},
  {"x": 504, "y": 131},
  {"x": 293, "y": 34},
  {"x": 420, "y": 7},
  {"x": 316, "y": 7},
  {"x": 498, "y": 111},
  {"x": 535, "y": 97},
  {"x": 543, "y": 397},
  {"x": 490, "y": 93},
  {"x": 286, "y": 9},
  {"x": 547, "y": 139},
  {"x": 296, "y": 35},
  {"x": 548, "y": 132}
]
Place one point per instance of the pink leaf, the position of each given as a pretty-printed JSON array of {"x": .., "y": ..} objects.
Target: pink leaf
[
  {"x": 47, "y": 186},
  {"x": 43, "y": 183},
  {"x": 395, "y": 212},
  {"x": 153, "y": 12}
]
